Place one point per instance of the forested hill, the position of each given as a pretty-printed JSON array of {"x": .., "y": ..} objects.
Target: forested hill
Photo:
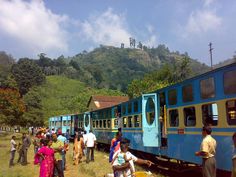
[
  {"x": 114, "y": 68},
  {"x": 31, "y": 90}
]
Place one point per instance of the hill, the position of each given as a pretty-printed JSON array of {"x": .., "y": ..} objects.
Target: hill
[
  {"x": 60, "y": 95},
  {"x": 115, "y": 68}
]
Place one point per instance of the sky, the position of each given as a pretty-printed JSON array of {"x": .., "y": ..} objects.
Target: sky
[{"x": 67, "y": 27}]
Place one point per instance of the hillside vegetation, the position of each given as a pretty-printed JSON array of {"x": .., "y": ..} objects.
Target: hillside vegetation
[
  {"x": 32, "y": 90},
  {"x": 115, "y": 68},
  {"x": 60, "y": 95}
]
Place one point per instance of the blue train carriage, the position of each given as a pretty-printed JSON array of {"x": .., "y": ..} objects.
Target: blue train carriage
[
  {"x": 60, "y": 122},
  {"x": 208, "y": 99},
  {"x": 55, "y": 122},
  {"x": 105, "y": 124},
  {"x": 65, "y": 123},
  {"x": 169, "y": 121},
  {"x": 141, "y": 124}
]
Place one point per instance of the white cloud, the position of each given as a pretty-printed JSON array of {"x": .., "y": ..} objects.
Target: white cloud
[
  {"x": 202, "y": 21},
  {"x": 33, "y": 26},
  {"x": 207, "y": 3},
  {"x": 107, "y": 28}
]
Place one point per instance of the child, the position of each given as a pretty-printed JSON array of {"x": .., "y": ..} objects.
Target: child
[{"x": 122, "y": 158}]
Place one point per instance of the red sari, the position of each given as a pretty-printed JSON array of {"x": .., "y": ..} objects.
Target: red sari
[{"x": 47, "y": 163}]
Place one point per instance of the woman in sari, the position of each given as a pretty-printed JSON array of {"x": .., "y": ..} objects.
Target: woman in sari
[
  {"x": 45, "y": 156},
  {"x": 115, "y": 145},
  {"x": 78, "y": 149}
]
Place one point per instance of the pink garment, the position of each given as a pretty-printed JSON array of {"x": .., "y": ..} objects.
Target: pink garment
[{"x": 47, "y": 163}]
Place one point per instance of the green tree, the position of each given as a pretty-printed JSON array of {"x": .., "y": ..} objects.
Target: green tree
[
  {"x": 11, "y": 107},
  {"x": 6, "y": 62},
  {"x": 27, "y": 74},
  {"x": 34, "y": 113},
  {"x": 167, "y": 75}
]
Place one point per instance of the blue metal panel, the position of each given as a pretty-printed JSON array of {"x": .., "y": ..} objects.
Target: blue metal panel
[
  {"x": 136, "y": 142},
  {"x": 183, "y": 147},
  {"x": 104, "y": 136},
  {"x": 219, "y": 86}
]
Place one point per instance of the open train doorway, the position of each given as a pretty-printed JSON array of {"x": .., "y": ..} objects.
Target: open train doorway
[
  {"x": 150, "y": 120},
  {"x": 163, "y": 119}
]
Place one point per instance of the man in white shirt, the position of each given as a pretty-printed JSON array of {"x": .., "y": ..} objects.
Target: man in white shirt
[
  {"x": 90, "y": 143},
  {"x": 119, "y": 170},
  {"x": 13, "y": 150},
  {"x": 207, "y": 152}
]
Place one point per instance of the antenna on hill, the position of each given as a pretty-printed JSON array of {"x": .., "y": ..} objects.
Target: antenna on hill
[{"x": 210, "y": 45}]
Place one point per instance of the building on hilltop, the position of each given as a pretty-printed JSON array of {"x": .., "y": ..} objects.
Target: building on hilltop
[{"x": 98, "y": 102}]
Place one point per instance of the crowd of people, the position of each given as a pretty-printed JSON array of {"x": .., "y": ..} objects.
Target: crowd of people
[{"x": 50, "y": 149}]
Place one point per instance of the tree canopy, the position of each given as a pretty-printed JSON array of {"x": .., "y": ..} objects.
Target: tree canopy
[{"x": 27, "y": 74}]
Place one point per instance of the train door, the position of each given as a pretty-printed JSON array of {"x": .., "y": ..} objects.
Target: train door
[
  {"x": 163, "y": 119},
  {"x": 150, "y": 120},
  {"x": 87, "y": 121}
]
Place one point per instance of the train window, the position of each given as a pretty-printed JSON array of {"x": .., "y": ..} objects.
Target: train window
[
  {"x": 210, "y": 114},
  {"x": 150, "y": 116},
  {"x": 189, "y": 117},
  {"x": 174, "y": 118},
  {"x": 135, "y": 106},
  {"x": 64, "y": 123},
  {"x": 136, "y": 121},
  {"x": 96, "y": 123},
  {"x": 100, "y": 123},
  {"x": 104, "y": 123},
  {"x": 108, "y": 123},
  {"x": 130, "y": 121},
  {"x": 230, "y": 82},
  {"x": 86, "y": 120},
  {"x": 207, "y": 88},
  {"x": 172, "y": 97},
  {"x": 129, "y": 107},
  {"x": 123, "y": 109},
  {"x": 115, "y": 123},
  {"x": 124, "y": 122},
  {"x": 187, "y": 93},
  {"x": 231, "y": 112}
]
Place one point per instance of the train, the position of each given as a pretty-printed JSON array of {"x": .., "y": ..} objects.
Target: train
[{"x": 168, "y": 122}]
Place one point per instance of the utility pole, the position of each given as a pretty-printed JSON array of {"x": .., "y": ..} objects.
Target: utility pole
[{"x": 210, "y": 45}]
